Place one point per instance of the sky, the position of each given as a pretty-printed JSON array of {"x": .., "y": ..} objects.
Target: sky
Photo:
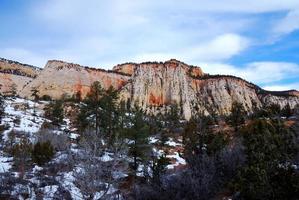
[{"x": 257, "y": 40}]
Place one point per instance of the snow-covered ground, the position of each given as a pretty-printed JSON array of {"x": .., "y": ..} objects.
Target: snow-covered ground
[{"x": 25, "y": 118}]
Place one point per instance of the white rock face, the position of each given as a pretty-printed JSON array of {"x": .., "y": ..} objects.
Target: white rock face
[
  {"x": 153, "y": 86},
  {"x": 282, "y": 101},
  {"x": 10, "y": 82},
  {"x": 218, "y": 94},
  {"x": 15, "y": 75},
  {"x": 59, "y": 78}
]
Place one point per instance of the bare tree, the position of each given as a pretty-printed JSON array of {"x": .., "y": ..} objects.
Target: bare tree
[
  {"x": 60, "y": 142},
  {"x": 96, "y": 166}
]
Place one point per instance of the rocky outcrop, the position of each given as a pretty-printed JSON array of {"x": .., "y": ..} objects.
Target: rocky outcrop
[
  {"x": 151, "y": 85},
  {"x": 154, "y": 86},
  {"x": 15, "y": 75},
  {"x": 16, "y": 68},
  {"x": 217, "y": 94},
  {"x": 61, "y": 78}
]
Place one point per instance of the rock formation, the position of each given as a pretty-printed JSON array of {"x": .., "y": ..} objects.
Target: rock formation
[
  {"x": 151, "y": 85},
  {"x": 15, "y": 75},
  {"x": 59, "y": 78}
]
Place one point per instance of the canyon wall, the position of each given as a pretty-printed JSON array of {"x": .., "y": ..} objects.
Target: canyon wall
[{"x": 153, "y": 86}]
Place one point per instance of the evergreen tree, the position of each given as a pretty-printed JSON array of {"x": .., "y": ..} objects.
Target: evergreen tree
[
  {"x": 21, "y": 153},
  {"x": 42, "y": 152},
  {"x": 238, "y": 115},
  {"x": 34, "y": 94},
  {"x": 173, "y": 118},
  {"x": 2, "y": 108},
  {"x": 54, "y": 112},
  {"x": 137, "y": 133},
  {"x": 269, "y": 146},
  {"x": 158, "y": 167},
  {"x": 109, "y": 112},
  {"x": 273, "y": 110},
  {"x": 198, "y": 138},
  {"x": 101, "y": 109},
  {"x": 93, "y": 104},
  {"x": 83, "y": 121}
]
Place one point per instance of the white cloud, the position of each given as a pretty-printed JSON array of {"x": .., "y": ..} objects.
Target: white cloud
[
  {"x": 220, "y": 48},
  {"x": 256, "y": 72},
  {"x": 288, "y": 24},
  {"x": 282, "y": 87},
  {"x": 108, "y": 32}
]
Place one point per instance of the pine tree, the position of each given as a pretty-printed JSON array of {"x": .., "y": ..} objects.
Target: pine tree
[
  {"x": 268, "y": 146},
  {"x": 109, "y": 112},
  {"x": 158, "y": 167},
  {"x": 54, "y": 112},
  {"x": 238, "y": 115},
  {"x": 173, "y": 118},
  {"x": 42, "y": 152},
  {"x": 138, "y": 133},
  {"x": 21, "y": 153},
  {"x": 34, "y": 94},
  {"x": 82, "y": 120},
  {"x": 93, "y": 104},
  {"x": 2, "y": 108}
]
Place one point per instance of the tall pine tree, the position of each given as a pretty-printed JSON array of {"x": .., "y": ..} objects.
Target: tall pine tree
[{"x": 137, "y": 133}]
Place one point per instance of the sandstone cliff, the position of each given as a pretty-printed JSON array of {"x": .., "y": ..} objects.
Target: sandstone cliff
[
  {"x": 15, "y": 75},
  {"x": 151, "y": 85},
  {"x": 59, "y": 78}
]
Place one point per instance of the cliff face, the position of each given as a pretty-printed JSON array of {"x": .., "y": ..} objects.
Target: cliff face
[
  {"x": 59, "y": 78},
  {"x": 152, "y": 85},
  {"x": 15, "y": 75},
  {"x": 217, "y": 94}
]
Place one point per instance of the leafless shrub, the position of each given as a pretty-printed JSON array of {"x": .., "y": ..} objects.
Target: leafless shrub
[
  {"x": 94, "y": 174},
  {"x": 60, "y": 142}
]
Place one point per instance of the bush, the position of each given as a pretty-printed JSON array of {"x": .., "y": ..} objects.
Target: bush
[
  {"x": 46, "y": 98},
  {"x": 59, "y": 142},
  {"x": 21, "y": 154},
  {"x": 42, "y": 152},
  {"x": 17, "y": 121}
]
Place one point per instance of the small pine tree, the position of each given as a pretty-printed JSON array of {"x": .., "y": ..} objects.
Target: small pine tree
[
  {"x": 34, "y": 94},
  {"x": 54, "y": 112},
  {"x": 173, "y": 117},
  {"x": 21, "y": 154},
  {"x": 2, "y": 108},
  {"x": 158, "y": 167},
  {"x": 82, "y": 119},
  {"x": 238, "y": 115},
  {"x": 42, "y": 152},
  {"x": 13, "y": 90}
]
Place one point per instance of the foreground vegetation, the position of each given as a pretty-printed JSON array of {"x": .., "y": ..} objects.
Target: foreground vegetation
[{"x": 123, "y": 153}]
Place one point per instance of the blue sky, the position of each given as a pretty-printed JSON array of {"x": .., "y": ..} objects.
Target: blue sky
[{"x": 255, "y": 39}]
